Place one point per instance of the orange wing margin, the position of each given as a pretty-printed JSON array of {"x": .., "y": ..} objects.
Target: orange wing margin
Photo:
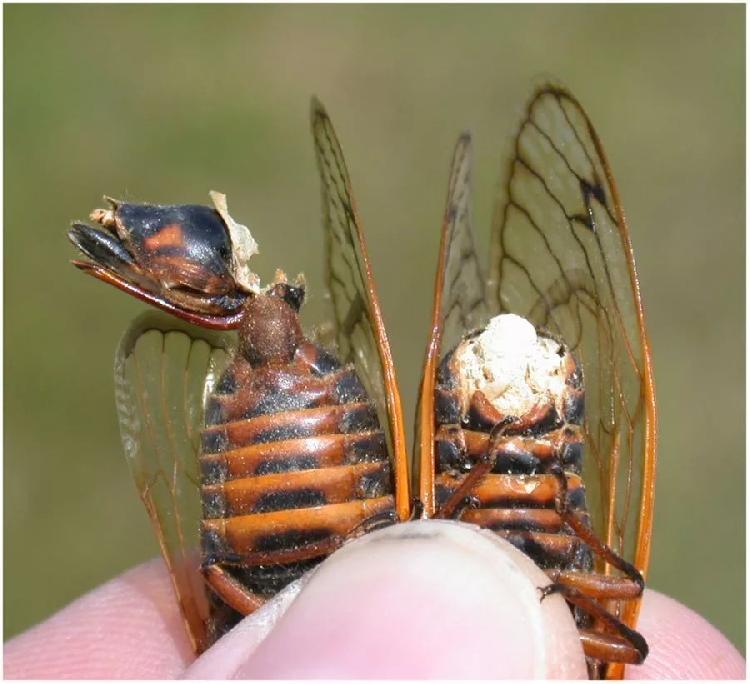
[
  {"x": 458, "y": 307},
  {"x": 561, "y": 256},
  {"x": 355, "y": 300},
  {"x": 646, "y": 517}
]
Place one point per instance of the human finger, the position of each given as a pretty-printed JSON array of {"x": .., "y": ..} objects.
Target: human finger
[
  {"x": 129, "y": 628},
  {"x": 682, "y": 644},
  {"x": 428, "y": 599}
]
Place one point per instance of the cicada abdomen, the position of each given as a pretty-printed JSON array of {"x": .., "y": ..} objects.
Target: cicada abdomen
[
  {"x": 509, "y": 446},
  {"x": 293, "y": 459},
  {"x": 509, "y": 410}
]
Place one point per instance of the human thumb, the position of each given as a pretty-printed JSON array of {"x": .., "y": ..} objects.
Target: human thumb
[{"x": 426, "y": 599}]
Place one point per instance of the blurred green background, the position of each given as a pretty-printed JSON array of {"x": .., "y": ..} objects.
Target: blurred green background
[{"x": 164, "y": 103}]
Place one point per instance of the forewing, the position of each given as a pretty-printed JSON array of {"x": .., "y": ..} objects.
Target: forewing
[
  {"x": 360, "y": 331},
  {"x": 164, "y": 370},
  {"x": 458, "y": 306},
  {"x": 459, "y": 299},
  {"x": 561, "y": 257}
]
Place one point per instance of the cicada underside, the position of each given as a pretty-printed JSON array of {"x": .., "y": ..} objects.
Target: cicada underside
[{"x": 536, "y": 417}]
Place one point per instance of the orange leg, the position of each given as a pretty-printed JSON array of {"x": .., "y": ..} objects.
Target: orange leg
[
  {"x": 588, "y": 536},
  {"x": 610, "y": 648},
  {"x": 374, "y": 522},
  {"x": 619, "y": 643},
  {"x": 597, "y": 586},
  {"x": 461, "y": 498},
  {"x": 623, "y": 645},
  {"x": 233, "y": 593}
]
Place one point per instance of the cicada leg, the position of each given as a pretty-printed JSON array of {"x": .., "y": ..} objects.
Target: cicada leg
[
  {"x": 624, "y": 645},
  {"x": 583, "y": 530},
  {"x": 597, "y": 586},
  {"x": 374, "y": 522},
  {"x": 620, "y": 644},
  {"x": 461, "y": 497},
  {"x": 231, "y": 591}
]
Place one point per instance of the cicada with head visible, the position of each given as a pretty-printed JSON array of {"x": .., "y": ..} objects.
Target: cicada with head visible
[
  {"x": 268, "y": 447},
  {"x": 537, "y": 417}
]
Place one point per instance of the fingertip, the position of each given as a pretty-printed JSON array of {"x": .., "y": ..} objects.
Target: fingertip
[
  {"x": 682, "y": 644},
  {"x": 228, "y": 654},
  {"x": 426, "y": 599},
  {"x": 128, "y": 628}
]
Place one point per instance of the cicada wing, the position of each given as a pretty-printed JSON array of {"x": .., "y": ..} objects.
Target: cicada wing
[
  {"x": 359, "y": 328},
  {"x": 164, "y": 371},
  {"x": 561, "y": 256},
  {"x": 458, "y": 307}
]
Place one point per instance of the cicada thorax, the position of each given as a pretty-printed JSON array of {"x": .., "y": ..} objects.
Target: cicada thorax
[
  {"x": 293, "y": 459},
  {"x": 533, "y": 457}
]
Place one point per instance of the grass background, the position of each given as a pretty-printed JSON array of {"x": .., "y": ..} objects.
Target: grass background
[{"x": 163, "y": 103}]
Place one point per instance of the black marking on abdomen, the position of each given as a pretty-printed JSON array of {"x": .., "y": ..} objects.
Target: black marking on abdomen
[
  {"x": 367, "y": 449},
  {"x": 286, "y": 465},
  {"x": 575, "y": 408},
  {"x": 447, "y": 406},
  {"x": 281, "y": 401},
  {"x": 571, "y": 457},
  {"x": 214, "y": 503},
  {"x": 268, "y": 580},
  {"x": 450, "y": 456},
  {"x": 362, "y": 419},
  {"x": 375, "y": 484},
  {"x": 324, "y": 363},
  {"x": 544, "y": 557},
  {"x": 349, "y": 389},
  {"x": 516, "y": 462},
  {"x": 279, "y": 434},
  {"x": 281, "y": 541},
  {"x": 290, "y": 499},
  {"x": 213, "y": 470},
  {"x": 214, "y": 442}
]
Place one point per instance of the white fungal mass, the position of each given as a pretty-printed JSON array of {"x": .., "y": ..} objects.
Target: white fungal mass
[
  {"x": 512, "y": 366},
  {"x": 243, "y": 244}
]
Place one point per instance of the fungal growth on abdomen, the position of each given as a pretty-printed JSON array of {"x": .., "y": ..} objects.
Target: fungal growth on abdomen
[{"x": 511, "y": 398}]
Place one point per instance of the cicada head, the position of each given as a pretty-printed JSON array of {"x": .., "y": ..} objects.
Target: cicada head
[{"x": 190, "y": 260}]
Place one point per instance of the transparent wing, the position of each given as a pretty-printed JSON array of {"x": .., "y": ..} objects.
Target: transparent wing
[
  {"x": 459, "y": 284},
  {"x": 164, "y": 370},
  {"x": 360, "y": 332},
  {"x": 458, "y": 306},
  {"x": 561, "y": 257}
]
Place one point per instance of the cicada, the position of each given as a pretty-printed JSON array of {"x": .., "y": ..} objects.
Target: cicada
[
  {"x": 266, "y": 446},
  {"x": 278, "y": 450},
  {"x": 537, "y": 416}
]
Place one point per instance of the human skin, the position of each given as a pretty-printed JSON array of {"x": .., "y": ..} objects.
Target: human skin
[{"x": 423, "y": 600}]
